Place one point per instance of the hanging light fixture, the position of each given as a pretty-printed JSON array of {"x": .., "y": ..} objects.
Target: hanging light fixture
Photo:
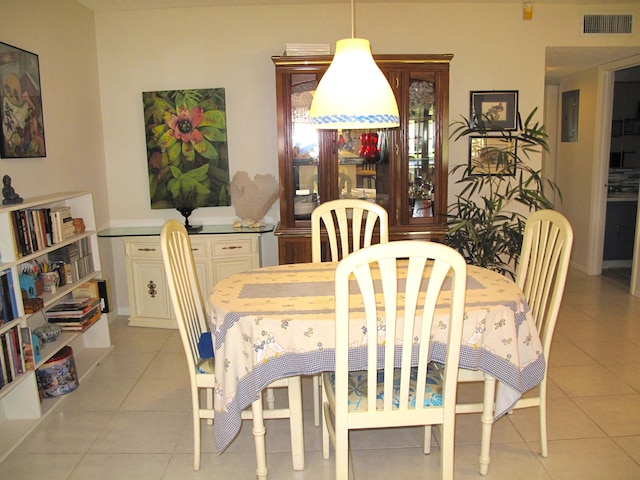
[{"x": 354, "y": 93}]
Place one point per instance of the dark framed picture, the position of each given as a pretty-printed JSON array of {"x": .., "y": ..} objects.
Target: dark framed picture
[
  {"x": 492, "y": 155},
  {"x": 22, "y": 133},
  {"x": 496, "y": 110}
]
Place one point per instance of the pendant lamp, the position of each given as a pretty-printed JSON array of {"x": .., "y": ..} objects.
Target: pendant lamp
[{"x": 353, "y": 93}]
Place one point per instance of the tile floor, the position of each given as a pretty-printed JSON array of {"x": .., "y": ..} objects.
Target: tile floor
[{"x": 130, "y": 419}]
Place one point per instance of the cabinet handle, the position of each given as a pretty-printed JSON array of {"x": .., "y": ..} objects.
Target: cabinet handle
[
  {"x": 231, "y": 247},
  {"x": 152, "y": 289},
  {"x": 146, "y": 249}
]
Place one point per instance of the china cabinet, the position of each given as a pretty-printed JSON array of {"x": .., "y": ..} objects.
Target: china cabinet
[{"x": 404, "y": 169}]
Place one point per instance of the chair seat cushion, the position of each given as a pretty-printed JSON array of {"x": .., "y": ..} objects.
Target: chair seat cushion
[
  {"x": 206, "y": 365},
  {"x": 358, "y": 385},
  {"x": 205, "y": 345}
]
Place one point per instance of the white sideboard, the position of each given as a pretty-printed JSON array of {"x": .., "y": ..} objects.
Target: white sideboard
[{"x": 218, "y": 252}]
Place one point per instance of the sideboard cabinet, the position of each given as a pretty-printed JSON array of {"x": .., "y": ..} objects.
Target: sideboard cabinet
[
  {"x": 218, "y": 252},
  {"x": 404, "y": 169}
]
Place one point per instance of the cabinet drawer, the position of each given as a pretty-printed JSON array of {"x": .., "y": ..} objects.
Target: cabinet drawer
[
  {"x": 232, "y": 246},
  {"x": 142, "y": 249},
  {"x": 151, "y": 248}
]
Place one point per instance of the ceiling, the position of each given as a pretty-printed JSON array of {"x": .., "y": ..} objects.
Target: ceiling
[
  {"x": 560, "y": 61},
  {"x": 103, "y": 5}
]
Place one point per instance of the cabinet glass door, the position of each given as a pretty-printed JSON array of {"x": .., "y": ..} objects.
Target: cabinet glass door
[
  {"x": 421, "y": 139},
  {"x": 304, "y": 145},
  {"x": 363, "y": 165}
]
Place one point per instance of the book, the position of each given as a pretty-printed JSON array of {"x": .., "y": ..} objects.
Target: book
[
  {"x": 73, "y": 319},
  {"x": 27, "y": 348},
  {"x": 12, "y": 293},
  {"x": 7, "y": 301},
  {"x": 81, "y": 326},
  {"x": 73, "y": 313},
  {"x": 17, "y": 234},
  {"x": 84, "y": 325}
]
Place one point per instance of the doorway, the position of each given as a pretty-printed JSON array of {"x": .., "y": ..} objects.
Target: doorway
[{"x": 623, "y": 178}]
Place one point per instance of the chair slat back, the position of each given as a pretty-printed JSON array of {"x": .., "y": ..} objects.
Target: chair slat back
[
  {"x": 184, "y": 288},
  {"x": 543, "y": 266},
  {"x": 396, "y": 314},
  {"x": 337, "y": 216}
]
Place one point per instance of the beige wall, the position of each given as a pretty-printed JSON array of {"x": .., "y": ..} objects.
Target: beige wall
[
  {"x": 62, "y": 34},
  {"x": 94, "y": 69},
  {"x": 575, "y": 165}
]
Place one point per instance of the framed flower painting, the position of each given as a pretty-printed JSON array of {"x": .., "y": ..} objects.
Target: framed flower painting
[{"x": 186, "y": 135}]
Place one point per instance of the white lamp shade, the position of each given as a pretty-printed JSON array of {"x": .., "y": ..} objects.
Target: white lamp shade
[{"x": 354, "y": 93}]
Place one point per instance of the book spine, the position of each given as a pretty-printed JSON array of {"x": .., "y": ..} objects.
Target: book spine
[
  {"x": 26, "y": 234},
  {"x": 7, "y": 309},
  {"x": 17, "y": 233},
  {"x": 4, "y": 360},
  {"x": 12, "y": 294}
]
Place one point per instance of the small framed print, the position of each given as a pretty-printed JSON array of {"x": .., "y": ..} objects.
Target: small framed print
[
  {"x": 492, "y": 155},
  {"x": 495, "y": 110}
]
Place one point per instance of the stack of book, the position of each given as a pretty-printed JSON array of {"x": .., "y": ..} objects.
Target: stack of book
[
  {"x": 296, "y": 49},
  {"x": 75, "y": 314},
  {"x": 38, "y": 228},
  {"x": 62, "y": 222}
]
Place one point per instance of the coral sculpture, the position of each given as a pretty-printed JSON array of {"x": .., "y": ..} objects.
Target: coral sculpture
[{"x": 252, "y": 198}]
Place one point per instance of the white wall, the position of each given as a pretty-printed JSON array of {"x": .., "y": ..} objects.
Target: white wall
[
  {"x": 62, "y": 34},
  {"x": 575, "y": 164}
]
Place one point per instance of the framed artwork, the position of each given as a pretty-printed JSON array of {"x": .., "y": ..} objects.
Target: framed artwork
[
  {"x": 492, "y": 155},
  {"x": 22, "y": 133},
  {"x": 496, "y": 110},
  {"x": 187, "y": 159},
  {"x": 570, "y": 115}
]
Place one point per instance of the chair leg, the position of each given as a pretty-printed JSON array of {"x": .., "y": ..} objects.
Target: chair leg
[
  {"x": 209, "y": 404},
  {"x": 258, "y": 434},
  {"x": 271, "y": 399},
  {"x": 447, "y": 447},
  {"x": 543, "y": 418},
  {"x": 427, "y": 440},
  {"x": 296, "y": 423},
  {"x": 195, "y": 400},
  {"x": 342, "y": 453},
  {"x": 316, "y": 400},
  {"x": 487, "y": 422},
  {"x": 325, "y": 427}
]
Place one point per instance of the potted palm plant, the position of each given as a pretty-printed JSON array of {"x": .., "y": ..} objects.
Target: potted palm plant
[{"x": 485, "y": 222}]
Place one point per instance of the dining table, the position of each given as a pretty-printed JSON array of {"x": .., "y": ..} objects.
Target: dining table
[{"x": 278, "y": 321}]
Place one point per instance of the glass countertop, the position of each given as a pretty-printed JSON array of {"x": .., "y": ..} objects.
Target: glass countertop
[{"x": 155, "y": 231}]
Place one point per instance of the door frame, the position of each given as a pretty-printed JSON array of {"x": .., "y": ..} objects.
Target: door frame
[{"x": 602, "y": 147}]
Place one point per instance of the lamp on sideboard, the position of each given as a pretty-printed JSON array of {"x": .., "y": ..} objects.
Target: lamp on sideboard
[{"x": 354, "y": 93}]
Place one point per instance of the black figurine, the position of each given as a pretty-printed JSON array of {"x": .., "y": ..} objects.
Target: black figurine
[{"x": 9, "y": 194}]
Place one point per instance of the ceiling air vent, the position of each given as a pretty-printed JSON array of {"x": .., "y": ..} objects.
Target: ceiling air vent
[{"x": 607, "y": 23}]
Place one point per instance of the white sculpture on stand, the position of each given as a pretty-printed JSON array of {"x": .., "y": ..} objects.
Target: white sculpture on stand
[{"x": 252, "y": 198}]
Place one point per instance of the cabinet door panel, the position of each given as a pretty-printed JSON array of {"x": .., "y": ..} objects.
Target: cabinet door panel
[
  {"x": 225, "y": 267},
  {"x": 148, "y": 285}
]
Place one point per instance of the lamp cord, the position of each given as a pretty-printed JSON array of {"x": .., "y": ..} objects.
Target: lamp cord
[{"x": 353, "y": 20}]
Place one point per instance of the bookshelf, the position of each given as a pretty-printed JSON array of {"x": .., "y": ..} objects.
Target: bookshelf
[{"x": 74, "y": 256}]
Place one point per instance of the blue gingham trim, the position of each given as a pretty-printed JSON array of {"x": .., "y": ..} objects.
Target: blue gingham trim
[{"x": 368, "y": 119}]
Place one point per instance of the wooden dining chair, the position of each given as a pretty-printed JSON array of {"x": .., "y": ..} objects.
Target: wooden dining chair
[
  {"x": 541, "y": 274},
  {"x": 189, "y": 309},
  {"x": 390, "y": 341},
  {"x": 341, "y": 219}
]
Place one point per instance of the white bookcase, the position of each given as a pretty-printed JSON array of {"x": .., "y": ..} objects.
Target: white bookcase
[{"x": 21, "y": 407}]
